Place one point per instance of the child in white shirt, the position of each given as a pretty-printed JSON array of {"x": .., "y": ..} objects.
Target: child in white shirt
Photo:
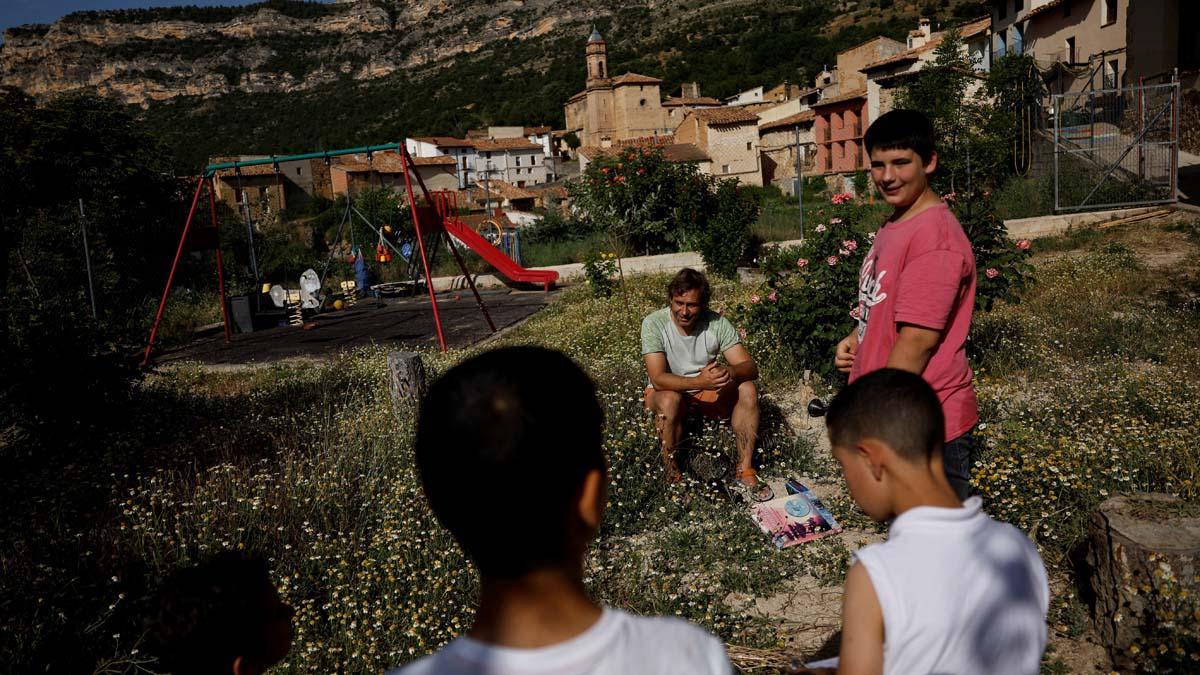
[
  {"x": 527, "y": 421},
  {"x": 951, "y": 590}
]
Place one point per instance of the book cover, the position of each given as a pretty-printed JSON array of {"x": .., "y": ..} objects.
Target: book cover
[{"x": 795, "y": 518}]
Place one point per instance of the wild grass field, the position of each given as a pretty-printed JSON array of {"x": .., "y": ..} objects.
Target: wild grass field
[{"x": 1088, "y": 388}]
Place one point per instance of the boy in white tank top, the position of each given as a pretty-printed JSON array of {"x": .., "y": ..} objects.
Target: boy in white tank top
[{"x": 951, "y": 590}]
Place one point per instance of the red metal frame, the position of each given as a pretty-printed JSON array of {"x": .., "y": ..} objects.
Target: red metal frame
[
  {"x": 441, "y": 206},
  {"x": 187, "y": 226}
]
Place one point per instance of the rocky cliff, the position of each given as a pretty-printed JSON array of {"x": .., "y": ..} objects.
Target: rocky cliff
[{"x": 140, "y": 56}]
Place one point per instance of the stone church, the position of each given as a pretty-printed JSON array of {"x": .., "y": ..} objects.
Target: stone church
[{"x": 613, "y": 109}]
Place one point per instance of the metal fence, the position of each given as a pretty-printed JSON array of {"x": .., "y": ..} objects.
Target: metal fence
[{"x": 1115, "y": 147}]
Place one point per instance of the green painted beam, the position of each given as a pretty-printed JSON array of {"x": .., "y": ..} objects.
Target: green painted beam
[{"x": 213, "y": 168}]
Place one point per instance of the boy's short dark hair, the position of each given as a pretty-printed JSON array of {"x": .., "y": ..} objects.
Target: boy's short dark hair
[
  {"x": 210, "y": 614},
  {"x": 688, "y": 279},
  {"x": 504, "y": 441},
  {"x": 889, "y": 405},
  {"x": 901, "y": 130}
]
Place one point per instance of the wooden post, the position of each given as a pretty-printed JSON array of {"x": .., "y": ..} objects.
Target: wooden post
[{"x": 406, "y": 380}]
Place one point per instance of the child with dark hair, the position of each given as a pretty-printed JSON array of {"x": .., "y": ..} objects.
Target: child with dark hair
[
  {"x": 916, "y": 290},
  {"x": 527, "y": 420},
  {"x": 222, "y": 616},
  {"x": 951, "y": 590}
]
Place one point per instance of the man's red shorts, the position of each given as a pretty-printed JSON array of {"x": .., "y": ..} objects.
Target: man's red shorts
[{"x": 715, "y": 405}]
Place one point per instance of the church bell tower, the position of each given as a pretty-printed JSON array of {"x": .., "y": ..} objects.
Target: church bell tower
[{"x": 597, "y": 60}]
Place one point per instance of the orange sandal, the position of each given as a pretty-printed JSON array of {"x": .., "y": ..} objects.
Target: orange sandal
[{"x": 759, "y": 491}]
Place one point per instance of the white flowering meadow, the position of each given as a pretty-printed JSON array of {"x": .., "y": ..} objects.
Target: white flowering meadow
[{"x": 1087, "y": 388}]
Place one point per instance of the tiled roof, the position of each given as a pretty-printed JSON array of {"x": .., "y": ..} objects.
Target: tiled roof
[
  {"x": 789, "y": 121},
  {"x": 646, "y": 141},
  {"x": 444, "y": 141},
  {"x": 973, "y": 28},
  {"x": 255, "y": 170},
  {"x": 890, "y": 80},
  {"x": 1038, "y": 10},
  {"x": 385, "y": 162},
  {"x": 703, "y": 100},
  {"x": 559, "y": 191},
  {"x": 724, "y": 116},
  {"x": 674, "y": 152},
  {"x": 685, "y": 152},
  {"x": 536, "y": 131},
  {"x": 440, "y": 160},
  {"x": 504, "y": 144},
  {"x": 634, "y": 78},
  {"x": 849, "y": 96},
  {"x": 499, "y": 189},
  {"x": 474, "y": 220}
]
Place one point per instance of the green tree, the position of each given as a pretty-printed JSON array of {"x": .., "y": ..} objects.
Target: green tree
[
  {"x": 72, "y": 150},
  {"x": 1016, "y": 90},
  {"x": 647, "y": 204},
  {"x": 942, "y": 90}
]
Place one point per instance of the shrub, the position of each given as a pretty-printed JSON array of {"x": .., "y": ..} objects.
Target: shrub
[
  {"x": 1025, "y": 197},
  {"x": 650, "y": 205},
  {"x": 599, "y": 270},
  {"x": 810, "y": 300},
  {"x": 724, "y": 236},
  {"x": 1002, "y": 267},
  {"x": 639, "y": 198},
  {"x": 554, "y": 228}
]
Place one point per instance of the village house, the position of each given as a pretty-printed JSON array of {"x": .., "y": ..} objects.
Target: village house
[
  {"x": 887, "y": 75},
  {"x": 260, "y": 188},
  {"x": 491, "y": 195},
  {"x": 747, "y": 97},
  {"x": 613, "y": 109},
  {"x": 461, "y": 150},
  {"x": 1100, "y": 44},
  {"x": 513, "y": 159},
  {"x": 543, "y": 136},
  {"x": 779, "y": 141},
  {"x": 351, "y": 174},
  {"x": 689, "y": 98},
  {"x": 728, "y": 137},
  {"x": 841, "y": 114},
  {"x": 271, "y": 188}
]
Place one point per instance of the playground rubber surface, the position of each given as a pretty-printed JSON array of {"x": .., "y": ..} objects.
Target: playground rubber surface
[{"x": 398, "y": 322}]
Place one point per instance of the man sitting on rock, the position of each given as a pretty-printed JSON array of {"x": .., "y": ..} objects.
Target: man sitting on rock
[{"x": 680, "y": 344}]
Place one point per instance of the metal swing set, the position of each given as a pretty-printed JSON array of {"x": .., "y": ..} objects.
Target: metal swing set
[{"x": 436, "y": 217}]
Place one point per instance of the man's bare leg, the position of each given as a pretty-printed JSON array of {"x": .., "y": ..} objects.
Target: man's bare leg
[
  {"x": 669, "y": 412},
  {"x": 745, "y": 428}
]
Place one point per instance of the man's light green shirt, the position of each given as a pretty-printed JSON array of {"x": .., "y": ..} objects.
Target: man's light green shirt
[{"x": 687, "y": 354}]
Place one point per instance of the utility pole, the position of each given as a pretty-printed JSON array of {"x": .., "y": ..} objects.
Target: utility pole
[
  {"x": 800, "y": 180},
  {"x": 87, "y": 257}
]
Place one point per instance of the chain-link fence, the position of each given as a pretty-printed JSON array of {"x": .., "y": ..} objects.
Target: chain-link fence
[{"x": 1115, "y": 147}]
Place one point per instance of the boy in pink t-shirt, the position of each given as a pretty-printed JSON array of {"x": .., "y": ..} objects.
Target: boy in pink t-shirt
[{"x": 916, "y": 290}]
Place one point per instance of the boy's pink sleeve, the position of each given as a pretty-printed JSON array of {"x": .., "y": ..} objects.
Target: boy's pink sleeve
[{"x": 928, "y": 289}]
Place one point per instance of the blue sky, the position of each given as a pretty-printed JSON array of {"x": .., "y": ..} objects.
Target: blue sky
[{"x": 17, "y": 12}]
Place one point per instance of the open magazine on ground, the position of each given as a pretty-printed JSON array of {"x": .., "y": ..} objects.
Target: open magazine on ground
[{"x": 794, "y": 519}]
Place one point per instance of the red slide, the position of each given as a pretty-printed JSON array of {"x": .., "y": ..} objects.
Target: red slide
[{"x": 496, "y": 258}]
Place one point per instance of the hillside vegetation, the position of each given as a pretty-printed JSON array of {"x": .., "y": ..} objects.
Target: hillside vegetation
[{"x": 725, "y": 46}]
